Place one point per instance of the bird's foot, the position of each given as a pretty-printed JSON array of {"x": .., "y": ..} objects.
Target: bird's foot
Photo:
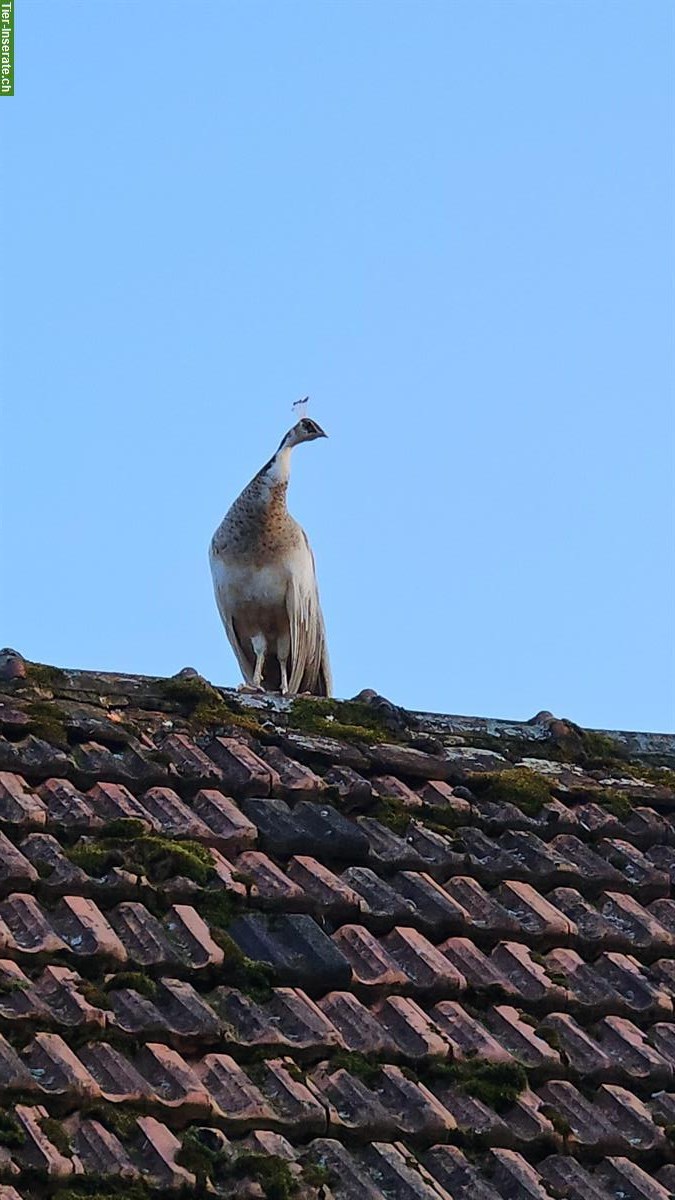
[{"x": 250, "y": 689}]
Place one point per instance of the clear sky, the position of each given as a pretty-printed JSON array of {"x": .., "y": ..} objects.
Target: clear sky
[{"x": 451, "y": 224}]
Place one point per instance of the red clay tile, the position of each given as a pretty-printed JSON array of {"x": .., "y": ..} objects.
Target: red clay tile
[
  {"x": 641, "y": 930},
  {"x": 435, "y": 912},
  {"x": 15, "y": 869},
  {"x": 372, "y": 965},
  {"x": 113, "y": 801},
  {"x": 536, "y": 915},
  {"x": 329, "y": 893},
  {"x": 625, "y": 1179},
  {"x": 19, "y": 1000},
  {"x": 441, "y": 795},
  {"x": 520, "y": 1039},
  {"x": 268, "y": 883},
  {"x": 578, "y": 1048},
  {"x": 340, "y": 1162},
  {"x": 399, "y": 1173},
  {"x": 484, "y": 912},
  {"x": 116, "y": 1075},
  {"x": 415, "y": 1034},
  {"x": 416, "y": 1109},
  {"x": 467, "y": 1036},
  {"x": 453, "y": 1171},
  {"x": 534, "y": 984},
  {"x": 387, "y": 849},
  {"x": 427, "y": 969},
  {"x": 244, "y": 772},
  {"x": 514, "y": 1177},
  {"x": 568, "y": 1178},
  {"x": 157, "y": 1154},
  {"x": 100, "y": 1151},
  {"x": 59, "y": 989},
  {"x": 231, "y": 830},
  {"x": 302, "y": 1023},
  {"x": 588, "y": 1125},
  {"x": 14, "y": 1074},
  {"x": 296, "y": 1107},
  {"x": 631, "y": 1053},
  {"x": 353, "y": 791},
  {"x": 53, "y": 866},
  {"x": 36, "y": 1151},
  {"x": 26, "y": 927},
  {"x": 67, "y": 807},
  {"x": 227, "y": 874},
  {"x": 18, "y": 805},
  {"x": 381, "y": 906},
  {"x": 352, "y": 1107},
  {"x": 187, "y": 1015},
  {"x": 646, "y": 881},
  {"x": 238, "y": 1103},
  {"x": 85, "y": 930},
  {"x": 171, "y": 817},
  {"x": 173, "y": 1084},
  {"x": 359, "y": 1029},
  {"x": 58, "y": 1070},
  {"x": 631, "y": 1116},
  {"x": 190, "y": 933},
  {"x": 296, "y": 782},
  {"x": 479, "y": 971},
  {"x": 142, "y": 936},
  {"x": 245, "y": 1022},
  {"x": 188, "y": 760},
  {"x": 388, "y": 787},
  {"x": 594, "y": 932}
]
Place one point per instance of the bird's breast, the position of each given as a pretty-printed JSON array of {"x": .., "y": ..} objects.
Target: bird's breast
[{"x": 246, "y": 584}]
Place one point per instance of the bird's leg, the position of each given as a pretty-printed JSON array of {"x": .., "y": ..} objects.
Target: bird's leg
[
  {"x": 259, "y": 643},
  {"x": 283, "y": 651},
  {"x": 284, "y": 676}
]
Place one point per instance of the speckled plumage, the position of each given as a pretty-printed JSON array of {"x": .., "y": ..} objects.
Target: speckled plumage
[{"x": 264, "y": 580}]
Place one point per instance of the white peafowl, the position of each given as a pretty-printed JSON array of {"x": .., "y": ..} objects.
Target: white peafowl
[{"x": 264, "y": 579}]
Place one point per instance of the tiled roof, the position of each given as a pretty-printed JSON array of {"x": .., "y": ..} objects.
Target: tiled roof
[{"x": 271, "y": 949}]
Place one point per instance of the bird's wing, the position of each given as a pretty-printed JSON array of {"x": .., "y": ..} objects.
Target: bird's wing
[
  {"x": 243, "y": 652},
  {"x": 309, "y": 665}
]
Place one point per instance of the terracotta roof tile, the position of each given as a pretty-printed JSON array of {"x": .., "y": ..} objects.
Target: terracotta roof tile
[
  {"x": 328, "y": 945},
  {"x": 244, "y": 773},
  {"x": 435, "y": 912},
  {"x": 231, "y": 830},
  {"x": 327, "y": 892},
  {"x": 18, "y": 805},
  {"x": 415, "y": 1034},
  {"x": 360, "y": 1029},
  {"x": 373, "y": 967},
  {"x": 68, "y": 807},
  {"x": 99, "y": 1150},
  {"x": 268, "y": 883},
  {"x": 37, "y": 1151},
  {"x": 381, "y": 905}
]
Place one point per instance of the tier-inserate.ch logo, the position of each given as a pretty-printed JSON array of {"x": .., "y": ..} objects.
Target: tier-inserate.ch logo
[{"x": 6, "y": 47}]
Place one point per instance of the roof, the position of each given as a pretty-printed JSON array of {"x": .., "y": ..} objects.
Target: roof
[{"x": 258, "y": 947}]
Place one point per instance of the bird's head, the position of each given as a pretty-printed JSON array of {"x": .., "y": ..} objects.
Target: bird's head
[{"x": 306, "y": 430}]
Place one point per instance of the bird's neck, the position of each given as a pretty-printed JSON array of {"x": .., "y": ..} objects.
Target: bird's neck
[
  {"x": 278, "y": 469},
  {"x": 268, "y": 489}
]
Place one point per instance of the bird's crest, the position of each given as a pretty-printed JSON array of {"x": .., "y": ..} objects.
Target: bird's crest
[{"x": 299, "y": 408}]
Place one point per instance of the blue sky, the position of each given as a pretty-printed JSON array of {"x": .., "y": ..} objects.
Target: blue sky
[{"x": 451, "y": 225}]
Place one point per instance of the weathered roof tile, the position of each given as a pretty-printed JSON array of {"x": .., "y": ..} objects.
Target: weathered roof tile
[
  {"x": 404, "y": 920},
  {"x": 295, "y": 946},
  {"x": 231, "y": 831}
]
